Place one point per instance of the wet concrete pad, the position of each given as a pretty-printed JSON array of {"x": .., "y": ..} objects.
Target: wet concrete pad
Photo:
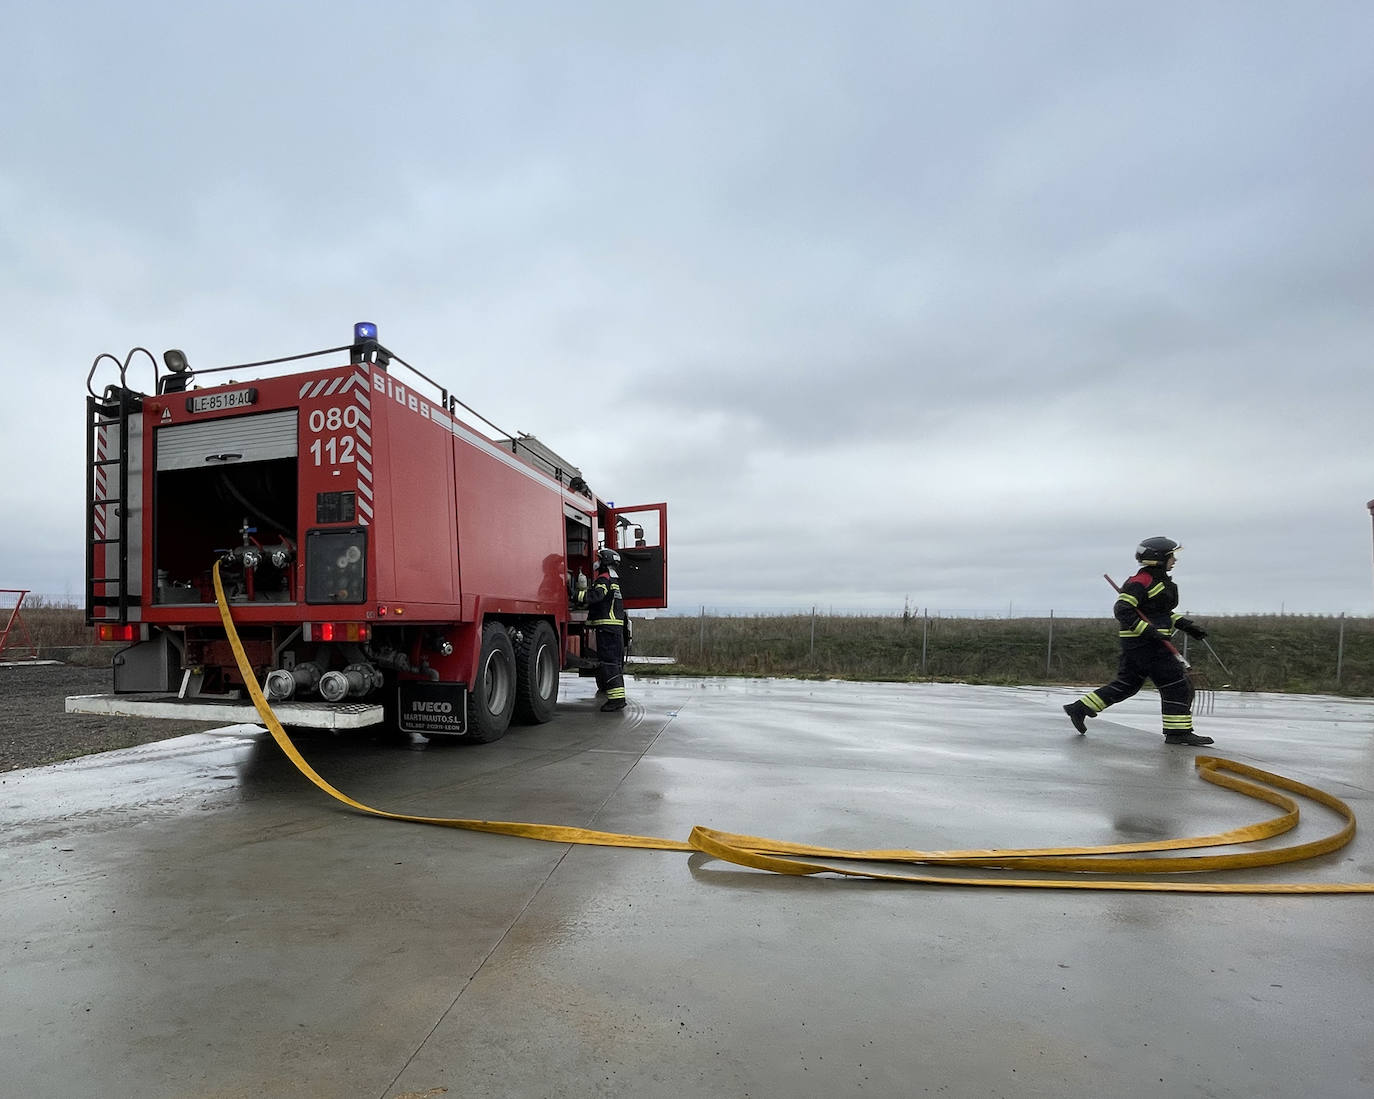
[{"x": 194, "y": 918}]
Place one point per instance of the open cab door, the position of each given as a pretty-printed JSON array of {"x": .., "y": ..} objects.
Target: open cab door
[{"x": 639, "y": 533}]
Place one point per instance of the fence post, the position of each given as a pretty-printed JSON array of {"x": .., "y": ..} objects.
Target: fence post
[
  {"x": 813, "y": 634},
  {"x": 1049, "y": 649},
  {"x": 701, "y": 644},
  {"x": 1340, "y": 650}
]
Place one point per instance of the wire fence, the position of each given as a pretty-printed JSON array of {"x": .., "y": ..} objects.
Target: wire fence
[
  {"x": 39, "y": 600},
  {"x": 1303, "y": 653},
  {"x": 1285, "y": 652}
]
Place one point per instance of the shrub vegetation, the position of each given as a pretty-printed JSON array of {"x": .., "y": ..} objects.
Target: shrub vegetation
[{"x": 1302, "y": 654}]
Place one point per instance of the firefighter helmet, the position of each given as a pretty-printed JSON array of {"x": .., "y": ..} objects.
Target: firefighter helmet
[
  {"x": 607, "y": 558},
  {"x": 1154, "y": 551}
]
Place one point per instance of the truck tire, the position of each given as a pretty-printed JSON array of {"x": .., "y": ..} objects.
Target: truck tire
[
  {"x": 537, "y": 664},
  {"x": 491, "y": 700}
]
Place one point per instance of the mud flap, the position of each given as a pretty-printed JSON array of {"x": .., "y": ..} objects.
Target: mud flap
[
  {"x": 432, "y": 709},
  {"x": 148, "y": 666}
]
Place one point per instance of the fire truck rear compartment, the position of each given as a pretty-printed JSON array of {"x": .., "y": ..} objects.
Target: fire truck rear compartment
[
  {"x": 223, "y": 487},
  {"x": 200, "y": 514},
  {"x": 228, "y": 491}
]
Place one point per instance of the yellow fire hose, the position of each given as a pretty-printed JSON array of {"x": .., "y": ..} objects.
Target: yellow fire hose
[{"x": 781, "y": 857}]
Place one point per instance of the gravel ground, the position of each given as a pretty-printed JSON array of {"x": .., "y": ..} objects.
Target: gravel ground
[{"x": 36, "y": 729}]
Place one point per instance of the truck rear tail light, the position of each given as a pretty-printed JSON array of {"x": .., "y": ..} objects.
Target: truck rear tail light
[
  {"x": 110, "y": 632},
  {"x": 340, "y": 631}
]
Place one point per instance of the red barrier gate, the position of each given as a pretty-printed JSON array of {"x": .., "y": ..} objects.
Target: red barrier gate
[{"x": 15, "y": 624}]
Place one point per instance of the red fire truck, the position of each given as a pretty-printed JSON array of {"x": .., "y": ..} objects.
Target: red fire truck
[{"x": 388, "y": 555}]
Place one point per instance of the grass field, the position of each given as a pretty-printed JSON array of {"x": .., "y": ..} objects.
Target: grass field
[
  {"x": 1304, "y": 654},
  {"x": 1293, "y": 653}
]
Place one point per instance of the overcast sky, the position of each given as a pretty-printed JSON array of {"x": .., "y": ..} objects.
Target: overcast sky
[{"x": 950, "y": 303}]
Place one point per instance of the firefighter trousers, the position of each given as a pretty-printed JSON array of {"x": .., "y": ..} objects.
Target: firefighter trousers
[
  {"x": 1164, "y": 670},
  {"x": 610, "y": 651}
]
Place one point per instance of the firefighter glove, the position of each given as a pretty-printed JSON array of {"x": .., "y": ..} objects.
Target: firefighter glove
[{"x": 1192, "y": 629}]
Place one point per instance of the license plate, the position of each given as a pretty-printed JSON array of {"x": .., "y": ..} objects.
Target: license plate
[{"x": 218, "y": 402}]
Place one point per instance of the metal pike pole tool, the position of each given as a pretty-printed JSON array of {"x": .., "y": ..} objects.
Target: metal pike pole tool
[
  {"x": 1224, "y": 668},
  {"x": 1205, "y": 698}
]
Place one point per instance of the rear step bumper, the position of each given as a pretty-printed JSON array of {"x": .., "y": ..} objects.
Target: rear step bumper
[{"x": 306, "y": 715}]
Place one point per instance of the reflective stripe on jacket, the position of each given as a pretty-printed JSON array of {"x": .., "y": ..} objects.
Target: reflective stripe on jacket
[
  {"x": 1152, "y": 593},
  {"x": 605, "y": 607}
]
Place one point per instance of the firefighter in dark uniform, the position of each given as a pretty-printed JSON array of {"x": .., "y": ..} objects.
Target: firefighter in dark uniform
[
  {"x": 606, "y": 614},
  {"x": 1144, "y": 654}
]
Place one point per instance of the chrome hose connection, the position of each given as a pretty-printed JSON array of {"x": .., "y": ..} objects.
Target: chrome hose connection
[
  {"x": 354, "y": 681},
  {"x": 285, "y": 683}
]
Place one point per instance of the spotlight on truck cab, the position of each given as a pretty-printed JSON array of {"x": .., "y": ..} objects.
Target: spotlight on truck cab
[{"x": 178, "y": 372}]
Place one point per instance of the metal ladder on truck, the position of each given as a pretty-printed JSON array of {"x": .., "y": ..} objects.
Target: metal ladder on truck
[{"x": 107, "y": 495}]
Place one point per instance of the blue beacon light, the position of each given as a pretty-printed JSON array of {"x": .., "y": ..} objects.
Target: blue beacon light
[{"x": 364, "y": 330}]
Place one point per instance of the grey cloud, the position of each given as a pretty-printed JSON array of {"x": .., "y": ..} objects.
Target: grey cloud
[{"x": 948, "y": 301}]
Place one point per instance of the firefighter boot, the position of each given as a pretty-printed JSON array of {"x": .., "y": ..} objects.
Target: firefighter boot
[
  {"x": 613, "y": 704},
  {"x": 1077, "y": 711},
  {"x": 1189, "y": 737}
]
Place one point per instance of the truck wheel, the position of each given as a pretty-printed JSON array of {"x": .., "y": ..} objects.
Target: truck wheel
[
  {"x": 491, "y": 699},
  {"x": 537, "y": 665}
]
